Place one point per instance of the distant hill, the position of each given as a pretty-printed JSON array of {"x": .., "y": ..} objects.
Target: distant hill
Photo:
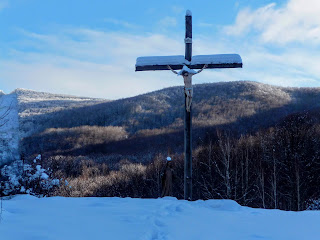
[
  {"x": 19, "y": 107},
  {"x": 36, "y": 108},
  {"x": 137, "y": 128}
]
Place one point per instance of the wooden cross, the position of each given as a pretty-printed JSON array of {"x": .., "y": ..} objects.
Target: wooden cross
[{"x": 186, "y": 64}]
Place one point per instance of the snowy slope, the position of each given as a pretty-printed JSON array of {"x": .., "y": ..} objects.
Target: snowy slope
[
  {"x": 37, "y": 104},
  {"x": 9, "y": 137},
  {"x": 23, "y": 106},
  {"x": 26, "y": 217}
]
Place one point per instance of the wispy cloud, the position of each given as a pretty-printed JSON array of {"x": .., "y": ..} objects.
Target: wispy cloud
[
  {"x": 177, "y": 9},
  {"x": 206, "y": 25},
  {"x": 296, "y": 21},
  {"x": 121, "y": 23},
  {"x": 89, "y": 63},
  {"x": 290, "y": 67},
  {"x": 167, "y": 22},
  {"x": 278, "y": 42},
  {"x": 236, "y": 5}
]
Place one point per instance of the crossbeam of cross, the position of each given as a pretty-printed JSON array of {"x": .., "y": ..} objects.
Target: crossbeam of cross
[{"x": 186, "y": 64}]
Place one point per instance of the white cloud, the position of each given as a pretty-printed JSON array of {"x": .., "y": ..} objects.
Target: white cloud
[
  {"x": 83, "y": 79},
  {"x": 204, "y": 24},
  {"x": 278, "y": 43},
  {"x": 177, "y": 9},
  {"x": 296, "y": 21},
  {"x": 89, "y": 63}
]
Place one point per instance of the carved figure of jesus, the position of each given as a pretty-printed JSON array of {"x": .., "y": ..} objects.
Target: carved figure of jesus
[{"x": 187, "y": 78}]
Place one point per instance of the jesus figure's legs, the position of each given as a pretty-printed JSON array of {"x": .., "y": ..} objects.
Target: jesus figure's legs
[{"x": 189, "y": 93}]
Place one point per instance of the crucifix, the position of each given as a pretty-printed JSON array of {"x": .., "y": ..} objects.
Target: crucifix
[{"x": 186, "y": 64}]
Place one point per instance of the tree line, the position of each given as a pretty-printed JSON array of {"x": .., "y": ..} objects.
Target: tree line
[{"x": 277, "y": 167}]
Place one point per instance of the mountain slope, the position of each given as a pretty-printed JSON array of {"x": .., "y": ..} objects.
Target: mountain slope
[
  {"x": 16, "y": 109},
  {"x": 41, "y": 104},
  {"x": 153, "y": 122},
  {"x": 213, "y": 104}
]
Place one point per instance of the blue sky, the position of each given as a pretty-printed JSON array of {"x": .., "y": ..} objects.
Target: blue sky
[{"x": 89, "y": 48}]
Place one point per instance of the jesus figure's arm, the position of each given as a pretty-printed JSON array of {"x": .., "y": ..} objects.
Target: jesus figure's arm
[
  {"x": 175, "y": 72},
  {"x": 204, "y": 67}
]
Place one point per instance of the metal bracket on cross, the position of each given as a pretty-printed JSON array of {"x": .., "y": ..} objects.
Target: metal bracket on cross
[
  {"x": 188, "y": 40},
  {"x": 186, "y": 64}
]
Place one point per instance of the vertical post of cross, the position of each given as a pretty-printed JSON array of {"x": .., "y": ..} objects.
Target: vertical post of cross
[
  {"x": 188, "y": 38},
  {"x": 188, "y": 118}
]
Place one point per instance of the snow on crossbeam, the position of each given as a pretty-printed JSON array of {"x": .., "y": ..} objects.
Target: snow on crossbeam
[
  {"x": 160, "y": 60},
  {"x": 197, "y": 62},
  {"x": 216, "y": 59},
  {"x": 160, "y": 63}
]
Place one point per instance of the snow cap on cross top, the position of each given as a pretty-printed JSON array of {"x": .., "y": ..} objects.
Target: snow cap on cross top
[{"x": 188, "y": 13}]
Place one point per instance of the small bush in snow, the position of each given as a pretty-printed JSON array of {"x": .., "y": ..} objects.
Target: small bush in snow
[
  {"x": 313, "y": 204},
  {"x": 19, "y": 177}
]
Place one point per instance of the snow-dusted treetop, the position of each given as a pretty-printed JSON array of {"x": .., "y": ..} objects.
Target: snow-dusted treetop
[
  {"x": 188, "y": 13},
  {"x": 196, "y": 60}
]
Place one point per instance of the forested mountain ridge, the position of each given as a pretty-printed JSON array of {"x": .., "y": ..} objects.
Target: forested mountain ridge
[
  {"x": 213, "y": 104},
  {"x": 138, "y": 127},
  {"x": 32, "y": 103},
  {"x": 142, "y": 125}
]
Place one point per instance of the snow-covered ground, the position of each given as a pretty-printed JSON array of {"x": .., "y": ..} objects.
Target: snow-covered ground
[{"x": 26, "y": 217}]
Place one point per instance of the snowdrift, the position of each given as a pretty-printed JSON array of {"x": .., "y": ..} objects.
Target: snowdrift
[{"x": 27, "y": 217}]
